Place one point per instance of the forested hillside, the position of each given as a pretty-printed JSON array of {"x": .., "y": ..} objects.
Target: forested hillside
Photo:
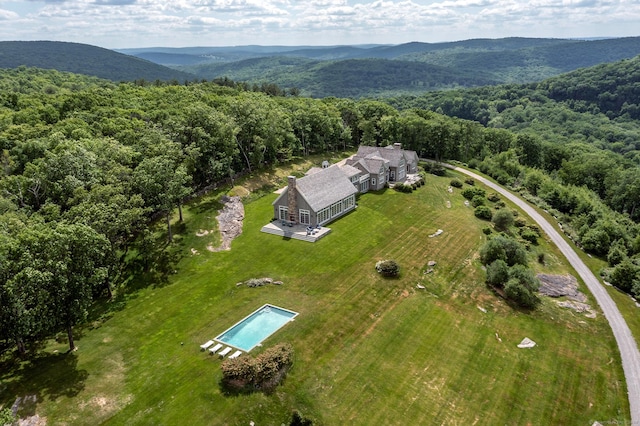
[
  {"x": 411, "y": 68},
  {"x": 83, "y": 59},
  {"x": 349, "y": 78},
  {"x": 87, "y": 164}
]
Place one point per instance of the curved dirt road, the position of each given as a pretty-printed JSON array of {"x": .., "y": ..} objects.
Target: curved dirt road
[{"x": 627, "y": 344}]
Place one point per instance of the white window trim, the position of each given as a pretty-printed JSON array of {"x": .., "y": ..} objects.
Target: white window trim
[
  {"x": 305, "y": 214},
  {"x": 283, "y": 213}
]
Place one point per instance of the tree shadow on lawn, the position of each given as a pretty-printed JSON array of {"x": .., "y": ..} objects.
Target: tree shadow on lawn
[
  {"x": 43, "y": 376},
  {"x": 209, "y": 203}
]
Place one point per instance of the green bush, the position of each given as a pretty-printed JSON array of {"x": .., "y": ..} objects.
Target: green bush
[
  {"x": 263, "y": 372},
  {"x": 403, "y": 187},
  {"x": 498, "y": 273},
  {"x": 520, "y": 222},
  {"x": 6, "y": 417},
  {"x": 502, "y": 220},
  {"x": 388, "y": 268},
  {"x": 483, "y": 212},
  {"x": 470, "y": 181},
  {"x": 624, "y": 275},
  {"x": 493, "y": 197},
  {"x": 520, "y": 294},
  {"x": 477, "y": 201},
  {"x": 456, "y": 183},
  {"x": 501, "y": 247},
  {"x": 486, "y": 230},
  {"x": 528, "y": 235},
  {"x": 469, "y": 193},
  {"x": 298, "y": 419}
]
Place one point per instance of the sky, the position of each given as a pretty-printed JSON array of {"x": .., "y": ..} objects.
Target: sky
[{"x": 117, "y": 24}]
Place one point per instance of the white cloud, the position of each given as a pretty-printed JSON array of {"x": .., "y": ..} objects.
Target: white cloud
[
  {"x": 121, "y": 23},
  {"x": 7, "y": 15}
]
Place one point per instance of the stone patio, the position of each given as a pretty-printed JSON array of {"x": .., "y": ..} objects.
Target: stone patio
[{"x": 297, "y": 232}]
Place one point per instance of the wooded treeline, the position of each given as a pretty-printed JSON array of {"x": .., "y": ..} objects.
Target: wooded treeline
[{"x": 87, "y": 163}]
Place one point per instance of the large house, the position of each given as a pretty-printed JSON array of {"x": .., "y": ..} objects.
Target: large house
[
  {"x": 328, "y": 193},
  {"x": 389, "y": 164}
]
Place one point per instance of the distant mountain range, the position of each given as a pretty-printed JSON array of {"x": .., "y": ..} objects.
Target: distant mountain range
[
  {"x": 389, "y": 70},
  {"x": 343, "y": 71},
  {"x": 84, "y": 59}
]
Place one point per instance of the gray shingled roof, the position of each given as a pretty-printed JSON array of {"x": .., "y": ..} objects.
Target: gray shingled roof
[
  {"x": 324, "y": 188},
  {"x": 393, "y": 155},
  {"x": 389, "y": 152},
  {"x": 350, "y": 171}
]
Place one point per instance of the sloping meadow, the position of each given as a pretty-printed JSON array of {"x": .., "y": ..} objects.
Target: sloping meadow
[{"x": 368, "y": 350}]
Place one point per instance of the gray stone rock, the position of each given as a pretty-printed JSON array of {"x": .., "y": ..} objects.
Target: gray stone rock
[{"x": 560, "y": 285}]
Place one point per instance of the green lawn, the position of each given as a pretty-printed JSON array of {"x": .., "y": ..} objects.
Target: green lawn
[{"x": 368, "y": 350}]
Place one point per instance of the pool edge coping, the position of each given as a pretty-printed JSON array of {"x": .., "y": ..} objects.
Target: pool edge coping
[{"x": 295, "y": 314}]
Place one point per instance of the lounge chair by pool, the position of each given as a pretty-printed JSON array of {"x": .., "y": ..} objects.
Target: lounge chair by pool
[
  {"x": 236, "y": 354},
  {"x": 216, "y": 348},
  {"x": 224, "y": 352},
  {"x": 204, "y": 346}
]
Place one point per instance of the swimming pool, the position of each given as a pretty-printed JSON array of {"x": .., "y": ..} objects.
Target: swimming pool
[{"x": 253, "y": 329}]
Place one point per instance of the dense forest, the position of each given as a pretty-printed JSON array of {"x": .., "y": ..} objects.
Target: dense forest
[
  {"x": 84, "y": 59},
  {"x": 88, "y": 164}
]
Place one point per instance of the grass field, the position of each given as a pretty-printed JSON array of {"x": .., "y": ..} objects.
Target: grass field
[{"x": 368, "y": 350}]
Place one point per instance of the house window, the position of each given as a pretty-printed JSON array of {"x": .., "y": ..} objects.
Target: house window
[
  {"x": 283, "y": 213},
  {"x": 348, "y": 202},
  {"x": 373, "y": 182},
  {"x": 365, "y": 186},
  {"x": 305, "y": 217},
  {"x": 336, "y": 209},
  {"x": 323, "y": 215}
]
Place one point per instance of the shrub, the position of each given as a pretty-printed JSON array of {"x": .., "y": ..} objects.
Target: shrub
[
  {"x": 483, "y": 212},
  {"x": 388, "y": 268},
  {"x": 470, "y": 181},
  {"x": 469, "y": 193},
  {"x": 535, "y": 229},
  {"x": 528, "y": 235},
  {"x": 403, "y": 187},
  {"x": 493, "y": 197},
  {"x": 501, "y": 247},
  {"x": 617, "y": 253},
  {"x": 522, "y": 286},
  {"x": 7, "y": 417},
  {"x": 502, "y": 220},
  {"x": 520, "y": 294},
  {"x": 486, "y": 230},
  {"x": 520, "y": 222},
  {"x": 438, "y": 171},
  {"x": 624, "y": 275},
  {"x": 498, "y": 273},
  {"x": 298, "y": 420},
  {"x": 455, "y": 183},
  {"x": 263, "y": 372},
  {"x": 477, "y": 201}
]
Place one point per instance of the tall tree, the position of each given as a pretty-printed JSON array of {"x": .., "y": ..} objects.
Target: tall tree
[{"x": 163, "y": 183}]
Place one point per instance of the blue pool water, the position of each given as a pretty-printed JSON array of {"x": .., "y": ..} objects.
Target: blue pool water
[{"x": 253, "y": 329}]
